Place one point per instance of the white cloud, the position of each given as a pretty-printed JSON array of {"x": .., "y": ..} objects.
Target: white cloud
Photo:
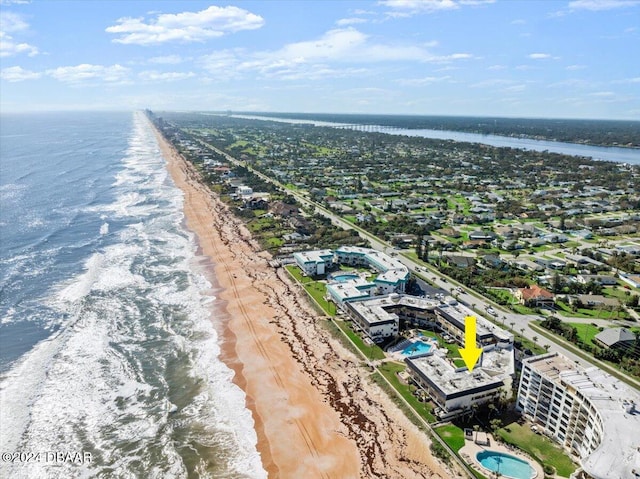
[
  {"x": 422, "y": 81},
  {"x": 628, "y": 80},
  {"x": 319, "y": 57},
  {"x": 9, "y": 48},
  {"x": 493, "y": 82},
  {"x": 154, "y": 76},
  {"x": 16, "y": 74},
  {"x": 403, "y": 8},
  {"x": 598, "y": 5},
  {"x": 575, "y": 67},
  {"x": 518, "y": 21},
  {"x": 350, "y": 21},
  {"x": 497, "y": 67},
  {"x": 11, "y": 23},
  {"x": 185, "y": 27},
  {"x": 515, "y": 88},
  {"x": 539, "y": 56},
  {"x": 85, "y": 72},
  {"x": 603, "y": 94},
  {"x": 167, "y": 60}
]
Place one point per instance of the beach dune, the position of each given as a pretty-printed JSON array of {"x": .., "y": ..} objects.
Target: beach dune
[{"x": 316, "y": 412}]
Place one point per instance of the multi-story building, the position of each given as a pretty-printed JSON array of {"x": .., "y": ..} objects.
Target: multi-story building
[
  {"x": 393, "y": 275},
  {"x": 590, "y": 413},
  {"x": 450, "y": 316},
  {"x": 373, "y": 318},
  {"x": 453, "y": 389},
  {"x": 314, "y": 263}
]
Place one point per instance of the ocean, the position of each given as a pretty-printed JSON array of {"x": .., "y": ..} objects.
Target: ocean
[{"x": 109, "y": 360}]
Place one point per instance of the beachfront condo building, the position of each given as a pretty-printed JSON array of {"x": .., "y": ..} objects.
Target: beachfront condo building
[
  {"x": 314, "y": 263},
  {"x": 393, "y": 275},
  {"x": 593, "y": 415},
  {"x": 453, "y": 389}
]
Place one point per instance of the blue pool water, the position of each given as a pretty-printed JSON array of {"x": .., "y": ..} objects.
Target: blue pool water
[
  {"x": 343, "y": 278},
  {"x": 417, "y": 347},
  {"x": 506, "y": 465}
]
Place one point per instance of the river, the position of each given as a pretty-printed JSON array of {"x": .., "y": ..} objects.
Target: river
[{"x": 606, "y": 153}]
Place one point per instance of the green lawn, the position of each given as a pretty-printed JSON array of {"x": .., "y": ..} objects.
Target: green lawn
[
  {"x": 389, "y": 371},
  {"x": 586, "y": 331},
  {"x": 622, "y": 294},
  {"x": 297, "y": 274},
  {"x": 539, "y": 447},
  {"x": 452, "y": 435},
  {"x": 565, "y": 310},
  {"x": 371, "y": 351},
  {"x": 316, "y": 289}
]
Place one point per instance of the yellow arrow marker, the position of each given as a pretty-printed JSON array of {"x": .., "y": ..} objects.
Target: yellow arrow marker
[{"x": 470, "y": 353}]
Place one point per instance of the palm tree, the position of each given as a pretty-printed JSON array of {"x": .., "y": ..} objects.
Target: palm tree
[
  {"x": 512, "y": 323},
  {"x": 522, "y": 333},
  {"x": 546, "y": 347},
  {"x": 535, "y": 339}
]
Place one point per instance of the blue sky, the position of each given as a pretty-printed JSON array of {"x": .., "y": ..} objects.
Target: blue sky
[{"x": 545, "y": 58}]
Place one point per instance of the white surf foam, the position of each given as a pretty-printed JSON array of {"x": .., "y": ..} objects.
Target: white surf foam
[{"x": 103, "y": 380}]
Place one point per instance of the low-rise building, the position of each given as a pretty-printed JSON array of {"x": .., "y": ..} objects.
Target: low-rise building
[
  {"x": 450, "y": 316},
  {"x": 621, "y": 338},
  {"x": 393, "y": 275},
  {"x": 373, "y": 318},
  {"x": 454, "y": 390},
  {"x": 314, "y": 263},
  {"x": 342, "y": 293},
  {"x": 604, "y": 280},
  {"x": 589, "y": 412},
  {"x": 535, "y": 296}
]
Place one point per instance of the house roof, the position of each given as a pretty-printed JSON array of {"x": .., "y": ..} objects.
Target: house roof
[
  {"x": 535, "y": 291},
  {"x": 613, "y": 336}
]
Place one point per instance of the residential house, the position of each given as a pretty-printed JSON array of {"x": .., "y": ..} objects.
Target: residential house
[
  {"x": 535, "y": 296},
  {"x": 619, "y": 338}
]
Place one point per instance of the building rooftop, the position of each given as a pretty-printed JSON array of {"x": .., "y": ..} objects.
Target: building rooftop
[
  {"x": 612, "y": 336},
  {"x": 350, "y": 290},
  {"x": 392, "y": 270},
  {"x": 452, "y": 381},
  {"x": 373, "y": 310},
  {"x": 316, "y": 256},
  {"x": 457, "y": 313}
]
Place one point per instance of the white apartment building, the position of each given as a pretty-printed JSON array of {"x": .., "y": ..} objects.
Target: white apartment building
[
  {"x": 454, "y": 389},
  {"x": 590, "y": 413},
  {"x": 314, "y": 263},
  {"x": 393, "y": 275},
  {"x": 373, "y": 318}
]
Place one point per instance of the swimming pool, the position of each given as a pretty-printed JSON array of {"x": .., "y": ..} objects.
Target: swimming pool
[
  {"x": 343, "y": 278},
  {"x": 417, "y": 347},
  {"x": 506, "y": 465}
]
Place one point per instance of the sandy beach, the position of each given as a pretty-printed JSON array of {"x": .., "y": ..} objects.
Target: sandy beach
[{"x": 317, "y": 414}]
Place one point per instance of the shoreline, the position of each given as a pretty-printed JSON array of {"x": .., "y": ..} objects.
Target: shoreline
[{"x": 316, "y": 412}]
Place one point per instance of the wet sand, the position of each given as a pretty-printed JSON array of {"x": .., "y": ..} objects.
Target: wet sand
[{"x": 317, "y": 413}]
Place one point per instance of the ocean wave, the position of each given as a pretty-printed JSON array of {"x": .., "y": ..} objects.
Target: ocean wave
[{"x": 133, "y": 373}]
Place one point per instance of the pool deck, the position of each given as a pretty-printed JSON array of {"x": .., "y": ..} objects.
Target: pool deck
[{"x": 470, "y": 449}]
